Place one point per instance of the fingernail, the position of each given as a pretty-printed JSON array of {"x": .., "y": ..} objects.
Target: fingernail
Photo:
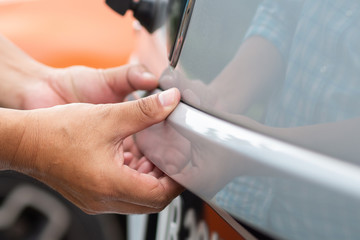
[
  {"x": 148, "y": 76},
  {"x": 167, "y": 97}
]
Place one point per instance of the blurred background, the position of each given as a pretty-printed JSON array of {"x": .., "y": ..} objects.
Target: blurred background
[
  {"x": 68, "y": 32},
  {"x": 60, "y": 33}
]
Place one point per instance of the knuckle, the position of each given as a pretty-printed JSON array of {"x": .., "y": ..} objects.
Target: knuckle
[{"x": 147, "y": 107}]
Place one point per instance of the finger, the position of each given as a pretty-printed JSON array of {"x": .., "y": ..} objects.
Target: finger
[
  {"x": 129, "y": 208},
  {"x": 132, "y": 163},
  {"x": 111, "y": 204},
  {"x": 128, "y": 143},
  {"x": 156, "y": 172},
  {"x": 116, "y": 206},
  {"x": 146, "y": 190},
  {"x": 145, "y": 112},
  {"x": 145, "y": 167},
  {"x": 130, "y": 146},
  {"x": 126, "y": 79},
  {"x": 128, "y": 156}
]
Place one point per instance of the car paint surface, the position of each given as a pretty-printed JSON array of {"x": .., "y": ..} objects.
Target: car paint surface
[{"x": 291, "y": 181}]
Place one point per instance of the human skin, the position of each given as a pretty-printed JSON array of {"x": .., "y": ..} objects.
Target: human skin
[{"x": 70, "y": 129}]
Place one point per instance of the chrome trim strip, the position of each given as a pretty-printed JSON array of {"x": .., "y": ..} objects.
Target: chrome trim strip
[{"x": 179, "y": 42}]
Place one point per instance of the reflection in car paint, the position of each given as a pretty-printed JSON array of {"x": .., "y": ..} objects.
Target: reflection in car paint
[{"x": 291, "y": 76}]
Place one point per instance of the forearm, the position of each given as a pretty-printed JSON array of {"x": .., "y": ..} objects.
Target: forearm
[{"x": 18, "y": 71}]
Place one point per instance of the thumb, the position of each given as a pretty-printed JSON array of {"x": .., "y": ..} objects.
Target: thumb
[
  {"x": 145, "y": 112},
  {"x": 126, "y": 79}
]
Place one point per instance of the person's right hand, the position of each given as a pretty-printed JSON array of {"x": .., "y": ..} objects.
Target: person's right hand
[{"x": 78, "y": 149}]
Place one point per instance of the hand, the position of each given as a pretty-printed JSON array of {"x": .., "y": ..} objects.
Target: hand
[
  {"x": 78, "y": 149},
  {"x": 183, "y": 161},
  {"x": 84, "y": 84},
  {"x": 28, "y": 84},
  {"x": 136, "y": 160}
]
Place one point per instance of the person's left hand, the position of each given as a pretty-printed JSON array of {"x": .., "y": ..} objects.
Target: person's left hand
[{"x": 88, "y": 85}]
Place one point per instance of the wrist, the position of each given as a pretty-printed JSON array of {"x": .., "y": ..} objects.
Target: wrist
[
  {"x": 19, "y": 72},
  {"x": 17, "y": 140},
  {"x": 17, "y": 84}
]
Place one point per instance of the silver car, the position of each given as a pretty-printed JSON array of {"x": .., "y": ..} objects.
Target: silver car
[{"x": 268, "y": 130}]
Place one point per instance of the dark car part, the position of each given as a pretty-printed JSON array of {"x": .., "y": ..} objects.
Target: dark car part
[
  {"x": 150, "y": 13},
  {"x": 179, "y": 19}
]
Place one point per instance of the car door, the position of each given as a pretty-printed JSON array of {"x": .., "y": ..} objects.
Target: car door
[{"x": 267, "y": 130}]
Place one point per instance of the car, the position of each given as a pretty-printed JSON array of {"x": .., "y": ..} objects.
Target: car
[{"x": 266, "y": 135}]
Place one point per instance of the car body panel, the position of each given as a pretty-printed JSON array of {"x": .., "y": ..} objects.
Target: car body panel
[
  {"x": 296, "y": 179},
  {"x": 216, "y": 159}
]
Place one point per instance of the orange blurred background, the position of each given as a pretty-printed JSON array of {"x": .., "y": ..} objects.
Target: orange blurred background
[{"x": 68, "y": 32}]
